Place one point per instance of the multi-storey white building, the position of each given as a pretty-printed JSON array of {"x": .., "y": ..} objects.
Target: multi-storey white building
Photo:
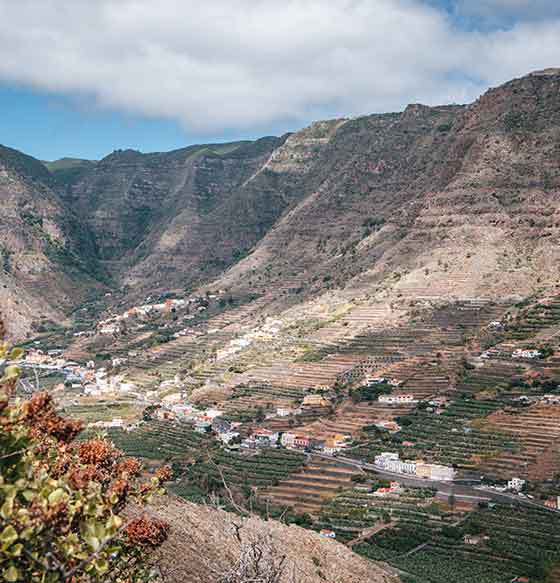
[{"x": 397, "y": 399}]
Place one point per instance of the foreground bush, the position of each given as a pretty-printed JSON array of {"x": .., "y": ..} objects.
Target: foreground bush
[{"x": 62, "y": 503}]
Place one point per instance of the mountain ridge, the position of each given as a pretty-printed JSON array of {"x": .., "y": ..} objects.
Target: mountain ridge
[{"x": 394, "y": 201}]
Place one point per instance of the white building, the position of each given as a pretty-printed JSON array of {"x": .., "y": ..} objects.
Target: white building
[
  {"x": 397, "y": 399},
  {"x": 442, "y": 473},
  {"x": 530, "y": 354},
  {"x": 284, "y": 412},
  {"x": 390, "y": 462},
  {"x": 287, "y": 439},
  {"x": 375, "y": 381},
  {"x": 227, "y": 437},
  {"x": 515, "y": 484}
]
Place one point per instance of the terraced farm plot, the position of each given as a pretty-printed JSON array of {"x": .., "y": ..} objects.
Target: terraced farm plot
[
  {"x": 260, "y": 469},
  {"x": 493, "y": 375},
  {"x": 521, "y": 542},
  {"x": 351, "y": 513},
  {"x": 538, "y": 431},
  {"x": 449, "y": 438},
  {"x": 306, "y": 490},
  {"x": 161, "y": 441},
  {"x": 353, "y": 417},
  {"x": 540, "y": 320}
]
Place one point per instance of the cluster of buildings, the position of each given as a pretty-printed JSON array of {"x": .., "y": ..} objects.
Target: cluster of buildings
[
  {"x": 548, "y": 399},
  {"x": 390, "y": 462},
  {"x": 93, "y": 381},
  {"x": 175, "y": 408},
  {"x": 329, "y": 445},
  {"x": 97, "y": 382},
  {"x": 116, "y": 323},
  {"x": 113, "y": 325},
  {"x": 265, "y": 333},
  {"x": 513, "y": 485}
]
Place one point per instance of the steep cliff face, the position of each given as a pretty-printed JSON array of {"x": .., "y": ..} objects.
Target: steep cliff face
[
  {"x": 47, "y": 260},
  {"x": 436, "y": 201}
]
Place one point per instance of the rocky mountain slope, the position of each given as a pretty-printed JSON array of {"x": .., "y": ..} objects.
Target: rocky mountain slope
[
  {"x": 436, "y": 201},
  {"x": 204, "y": 545},
  {"x": 47, "y": 258}
]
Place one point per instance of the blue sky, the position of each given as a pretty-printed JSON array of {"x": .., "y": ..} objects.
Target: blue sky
[
  {"x": 50, "y": 126},
  {"x": 158, "y": 76}
]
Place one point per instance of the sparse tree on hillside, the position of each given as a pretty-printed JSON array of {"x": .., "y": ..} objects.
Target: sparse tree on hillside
[{"x": 62, "y": 502}]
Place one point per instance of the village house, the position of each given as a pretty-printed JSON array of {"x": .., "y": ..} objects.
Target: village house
[
  {"x": 371, "y": 381},
  {"x": 392, "y": 426},
  {"x": 118, "y": 361},
  {"x": 553, "y": 502},
  {"x": 265, "y": 436},
  {"x": 165, "y": 415},
  {"x": 249, "y": 443},
  {"x": 325, "y": 532},
  {"x": 335, "y": 443},
  {"x": 284, "y": 411},
  {"x": 227, "y": 437},
  {"x": 471, "y": 539},
  {"x": 221, "y": 425},
  {"x": 315, "y": 401},
  {"x": 116, "y": 422},
  {"x": 202, "y": 425},
  {"x": 391, "y": 463},
  {"x": 287, "y": 439},
  {"x": 392, "y": 490},
  {"x": 434, "y": 471},
  {"x": 301, "y": 441},
  {"x": 397, "y": 399}
]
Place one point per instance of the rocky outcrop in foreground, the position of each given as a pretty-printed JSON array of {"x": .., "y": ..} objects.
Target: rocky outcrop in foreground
[{"x": 205, "y": 543}]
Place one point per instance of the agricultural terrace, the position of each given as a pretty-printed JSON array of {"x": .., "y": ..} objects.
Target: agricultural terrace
[
  {"x": 241, "y": 472},
  {"x": 453, "y": 437},
  {"x": 353, "y": 512},
  {"x": 308, "y": 489},
  {"x": 161, "y": 441},
  {"x": 507, "y": 542},
  {"x": 537, "y": 429}
]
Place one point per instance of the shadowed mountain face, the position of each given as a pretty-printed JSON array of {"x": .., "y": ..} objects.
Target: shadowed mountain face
[
  {"x": 454, "y": 200},
  {"x": 47, "y": 257}
]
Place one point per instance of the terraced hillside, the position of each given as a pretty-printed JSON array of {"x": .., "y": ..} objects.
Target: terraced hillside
[
  {"x": 307, "y": 490},
  {"x": 520, "y": 543}
]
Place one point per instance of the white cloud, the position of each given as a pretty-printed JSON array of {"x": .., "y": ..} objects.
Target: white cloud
[{"x": 241, "y": 64}]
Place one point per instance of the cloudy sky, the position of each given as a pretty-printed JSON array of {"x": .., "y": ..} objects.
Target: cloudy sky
[{"x": 83, "y": 77}]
